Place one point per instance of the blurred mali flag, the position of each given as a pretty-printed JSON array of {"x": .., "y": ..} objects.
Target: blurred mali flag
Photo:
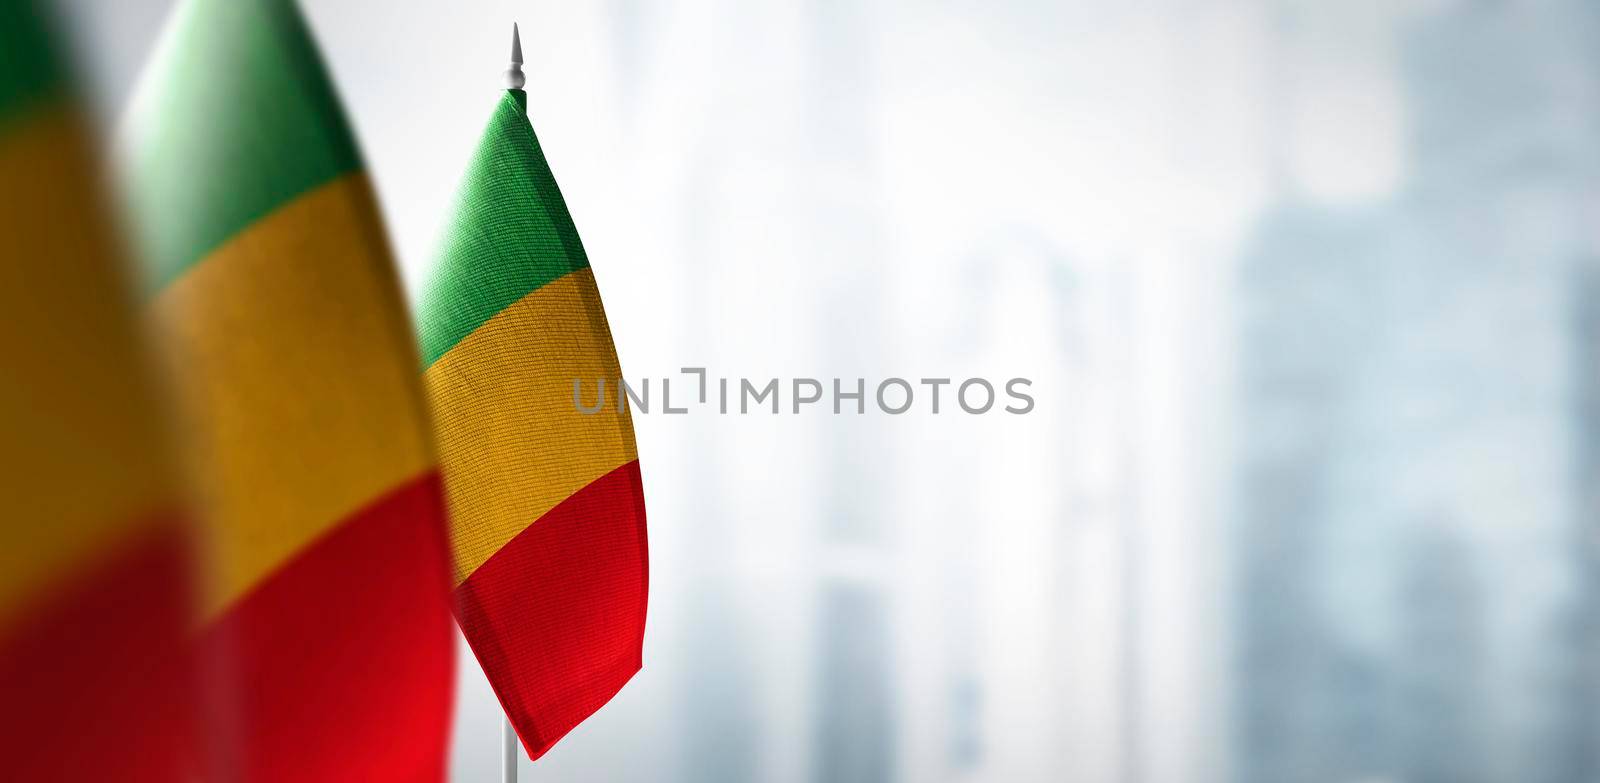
[
  {"x": 546, "y": 508},
  {"x": 94, "y": 563},
  {"x": 327, "y": 639}
]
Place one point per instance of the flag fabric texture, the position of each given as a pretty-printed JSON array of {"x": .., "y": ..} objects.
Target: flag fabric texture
[
  {"x": 547, "y": 515},
  {"x": 95, "y": 590},
  {"x": 326, "y": 638}
]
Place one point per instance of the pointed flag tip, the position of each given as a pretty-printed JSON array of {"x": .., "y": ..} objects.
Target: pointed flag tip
[{"x": 514, "y": 76}]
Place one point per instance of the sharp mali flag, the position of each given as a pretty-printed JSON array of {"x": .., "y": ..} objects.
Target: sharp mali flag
[
  {"x": 327, "y": 628},
  {"x": 546, "y": 509},
  {"x": 94, "y": 562}
]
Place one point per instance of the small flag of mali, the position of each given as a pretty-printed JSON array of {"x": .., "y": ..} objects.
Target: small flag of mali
[
  {"x": 95, "y": 589},
  {"x": 546, "y": 508},
  {"x": 327, "y": 631}
]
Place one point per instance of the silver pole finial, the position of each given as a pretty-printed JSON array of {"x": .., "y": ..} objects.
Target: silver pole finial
[{"x": 514, "y": 77}]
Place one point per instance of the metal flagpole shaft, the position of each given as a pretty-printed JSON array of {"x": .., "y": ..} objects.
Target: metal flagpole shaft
[
  {"x": 508, "y": 735},
  {"x": 508, "y": 751}
]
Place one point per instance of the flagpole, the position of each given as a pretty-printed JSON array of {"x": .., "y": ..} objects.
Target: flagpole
[
  {"x": 508, "y": 735},
  {"x": 508, "y": 751}
]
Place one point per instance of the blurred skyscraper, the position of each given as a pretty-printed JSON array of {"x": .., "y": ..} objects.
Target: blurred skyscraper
[
  {"x": 1415, "y": 453},
  {"x": 1030, "y": 694},
  {"x": 1580, "y": 633},
  {"x": 1306, "y": 705},
  {"x": 855, "y": 723}
]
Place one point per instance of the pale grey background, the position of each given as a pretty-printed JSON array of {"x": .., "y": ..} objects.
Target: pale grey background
[{"x": 1302, "y": 287}]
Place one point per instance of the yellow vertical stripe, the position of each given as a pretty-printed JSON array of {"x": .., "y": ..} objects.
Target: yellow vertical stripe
[
  {"x": 511, "y": 443},
  {"x": 79, "y": 445},
  {"x": 294, "y": 359}
]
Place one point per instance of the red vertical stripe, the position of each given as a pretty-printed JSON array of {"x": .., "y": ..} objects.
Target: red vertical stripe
[
  {"x": 94, "y": 681},
  {"x": 339, "y": 667},
  {"x": 556, "y": 616}
]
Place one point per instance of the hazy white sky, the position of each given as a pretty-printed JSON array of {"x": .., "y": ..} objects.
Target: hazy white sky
[{"x": 737, "y": 171}]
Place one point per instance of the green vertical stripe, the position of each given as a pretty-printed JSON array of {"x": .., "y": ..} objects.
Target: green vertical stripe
[
  {"x": 30, "y": 72},
  {"x": 511, "y": 234},
  {"x": 237, "y": 117}
]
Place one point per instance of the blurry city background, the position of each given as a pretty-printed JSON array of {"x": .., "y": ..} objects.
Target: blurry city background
[{"x": 1310, "y": 294}]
